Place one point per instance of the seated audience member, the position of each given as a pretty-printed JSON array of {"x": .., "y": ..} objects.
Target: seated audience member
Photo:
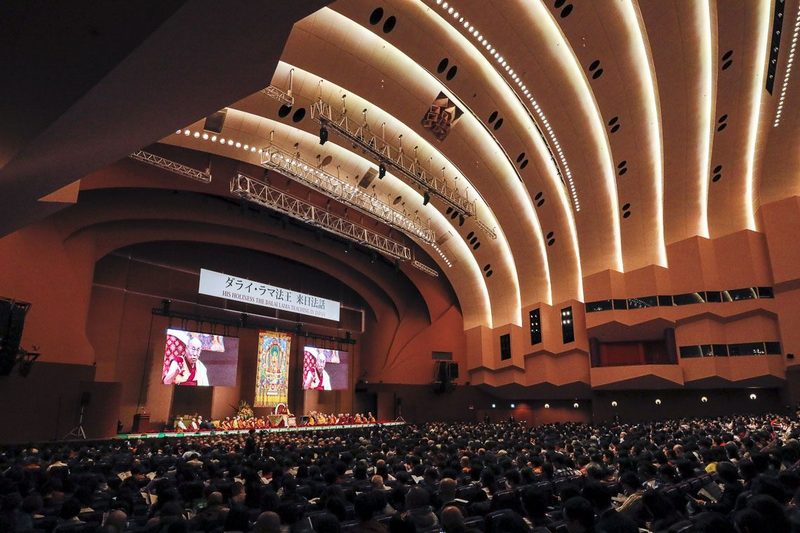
[
  {"x": 607, "y": 518},
  {"x": 419, "y": 509},
  {"x": 328, "y": 477},
  {"x": 267, "y": 522},
  {"x": 579, "y": 515}
]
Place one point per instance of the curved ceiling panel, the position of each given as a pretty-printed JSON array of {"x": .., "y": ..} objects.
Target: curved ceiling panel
[
  {"x": 780, "y": 171},
  {"x": 453, "y": 60},
  {"x": 686, "y": 78},
  {"x": 524, "y": 41},
  {"x": 616, "y": 61},
  {"x": 742, "y": 28},
  {"x": 468, "y": 144}
]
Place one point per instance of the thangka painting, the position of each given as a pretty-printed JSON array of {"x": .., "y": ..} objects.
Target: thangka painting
[{"x": 272, "y": 374}]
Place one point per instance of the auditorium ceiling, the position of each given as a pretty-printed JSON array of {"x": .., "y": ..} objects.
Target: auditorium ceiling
[{"x": 534, "y": 142}]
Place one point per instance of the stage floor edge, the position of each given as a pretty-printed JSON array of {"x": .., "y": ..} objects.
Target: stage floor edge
[{"x": 222, "y": 433}]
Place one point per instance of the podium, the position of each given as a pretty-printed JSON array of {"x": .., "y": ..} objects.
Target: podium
[{"x": 141, "y": 423}]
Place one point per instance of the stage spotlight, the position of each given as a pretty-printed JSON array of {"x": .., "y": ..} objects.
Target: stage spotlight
[
  {"x": 547, "y": 406},
  {"x": 243, "y": 320},
  {"x": 323, "y": 135},
  {"x": 165, "y": 305},
  {"x": 426, "y": 198},
  {"x": 381, "y": 171},
  {"x": 460, "y": 220},
  {"x": 658, "y": 401},
  {"x": 753, "y": 396},
  {"x": 614, "y": 403}
]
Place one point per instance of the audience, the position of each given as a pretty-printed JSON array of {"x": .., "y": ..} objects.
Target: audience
[{"x": 738, "y": 473}]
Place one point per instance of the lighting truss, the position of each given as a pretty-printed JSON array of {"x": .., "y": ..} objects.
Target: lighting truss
[
  {"x": 281, "y": 96},
  {"x": 260, "y": 193},
  {"x": 408, "y": 167},
  {"x": 294, "y": 167},
  {"x": 172, "y": 166},
  {"x": 425, "y": 268},
  {"x": 485, "y": 228}
]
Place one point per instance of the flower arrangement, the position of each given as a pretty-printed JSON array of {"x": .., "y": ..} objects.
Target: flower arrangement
[{"x": 244, "y": 411}]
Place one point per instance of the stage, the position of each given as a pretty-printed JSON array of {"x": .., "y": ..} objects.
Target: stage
[{"x": 222, "y": 433}]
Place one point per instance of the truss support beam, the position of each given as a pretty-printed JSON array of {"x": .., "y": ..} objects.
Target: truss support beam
[
  {"x": 425, "y": 268},
  {"x": 172, "y": 166},
  {"x": 260, "y": 193},
  {"x": 294, "y": 167},
  {"x": 409, "y": 168}
]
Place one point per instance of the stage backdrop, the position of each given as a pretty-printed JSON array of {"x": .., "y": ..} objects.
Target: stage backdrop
[{"x": 272, "y": 373}]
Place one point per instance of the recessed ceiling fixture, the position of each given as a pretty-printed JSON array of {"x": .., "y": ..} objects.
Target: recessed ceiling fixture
[{"x": 515, "y": 79}]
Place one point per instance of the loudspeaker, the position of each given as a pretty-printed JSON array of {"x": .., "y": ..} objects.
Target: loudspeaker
[
  {"x": 369, "y": 176},
  {"x": 453, "y": 370},
  {"x": 215, "y": 121},
  {"x": 12, "y": 322},
  {"x": 86, "y": 398},
  {"x": 441, "y": 371}
]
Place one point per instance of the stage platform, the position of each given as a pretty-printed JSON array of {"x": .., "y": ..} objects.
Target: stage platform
[{"x": 208, "y": 433}]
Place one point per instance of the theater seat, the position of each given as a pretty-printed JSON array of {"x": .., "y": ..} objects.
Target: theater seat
[
  {"x": 506, "y": 499},
  {"x": 476, "y": 522},
  {"x": 471, "y": 493}
]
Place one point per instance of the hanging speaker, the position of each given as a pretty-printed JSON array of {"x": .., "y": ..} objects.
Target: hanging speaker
[
  {"x": 86, "y": 398},
  {"x": 453, "y": 370},
  {"x": 441, "y": 371},
  {"x": 215, "y": 121},
  {"x": 368, "y": 177}
]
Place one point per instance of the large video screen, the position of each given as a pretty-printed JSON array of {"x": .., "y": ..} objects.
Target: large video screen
[
  {"x": 325, "y": 369},
  {"x": 272, "y": 371},
  {"x": 199, "y": 359}
]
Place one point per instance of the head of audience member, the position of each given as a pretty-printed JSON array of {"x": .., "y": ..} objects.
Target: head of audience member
[{"x": 579, "y": 515}]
